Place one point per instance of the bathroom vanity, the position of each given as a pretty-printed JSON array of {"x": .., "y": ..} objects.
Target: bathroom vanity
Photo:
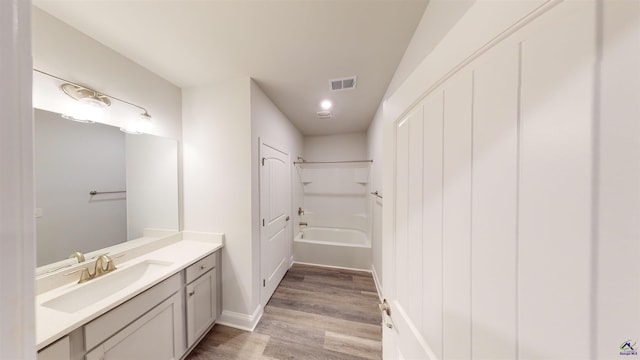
[{"x": 161, "y": 300}]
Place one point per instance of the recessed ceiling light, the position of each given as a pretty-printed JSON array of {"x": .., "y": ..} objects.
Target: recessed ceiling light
[{"x": 325, "y": 104}]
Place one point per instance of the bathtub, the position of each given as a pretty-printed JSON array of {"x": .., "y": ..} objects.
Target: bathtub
[{"x": 347, "y": 248}]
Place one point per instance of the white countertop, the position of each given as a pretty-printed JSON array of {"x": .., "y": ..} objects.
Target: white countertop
[{"x": 186, "y": 249}]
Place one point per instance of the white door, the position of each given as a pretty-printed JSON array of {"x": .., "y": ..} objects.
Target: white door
[
  {"x": 484, "y": 171},
  {"x": 403, "y": 336},
  {"x": 275, "y": 204},
  {"x": 426, "y": 262}
]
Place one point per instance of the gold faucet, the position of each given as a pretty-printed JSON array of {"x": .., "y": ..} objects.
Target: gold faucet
[
  {"x": 104, "y": 264},
  {"x": 78, "y": 255}
]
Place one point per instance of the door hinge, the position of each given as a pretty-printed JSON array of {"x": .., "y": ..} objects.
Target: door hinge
[
  {"x": 262, "y": 222},
  {"x": 263, "y": 161},
  {"x": 264, "y": 283}
]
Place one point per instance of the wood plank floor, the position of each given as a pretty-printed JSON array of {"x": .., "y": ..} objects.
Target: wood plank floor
[{"x": 315, "y": 313}]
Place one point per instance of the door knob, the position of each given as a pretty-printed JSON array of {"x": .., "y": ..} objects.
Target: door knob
[{"x": 385, "y": 308}]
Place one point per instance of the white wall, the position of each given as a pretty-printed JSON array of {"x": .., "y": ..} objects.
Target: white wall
[
  {"x": 72, "y": 159},
  {"x": 350, "y": 146},
  {"x": 438, "y": 18},
  {"x": 270, "y": 126},
  {"x": 217, "y": 181},
  {"x": 374, "y": 152},
  {"x": 67, "y": 53},
  {"x": 221, "y": 127},
  {"x": 17, "y": 225}
]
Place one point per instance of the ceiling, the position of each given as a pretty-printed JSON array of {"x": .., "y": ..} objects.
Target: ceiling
[{"x": 291, "y": 48}]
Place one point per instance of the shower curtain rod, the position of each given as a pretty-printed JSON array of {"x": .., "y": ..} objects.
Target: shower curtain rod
[{"x": 331, "y": 162}]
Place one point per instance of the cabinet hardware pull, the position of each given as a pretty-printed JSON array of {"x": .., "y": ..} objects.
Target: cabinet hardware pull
[
  {"x": 192, "y": 292},
  {"x": 202, "y": 267}
]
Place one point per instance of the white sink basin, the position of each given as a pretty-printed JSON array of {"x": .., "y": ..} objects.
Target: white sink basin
[{"x": 97, "y": 289}]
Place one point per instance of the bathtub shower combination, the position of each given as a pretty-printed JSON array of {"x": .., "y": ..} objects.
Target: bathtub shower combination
[
  {"x": 350, "y": 248},
  {"x": 335, "y": 226}
]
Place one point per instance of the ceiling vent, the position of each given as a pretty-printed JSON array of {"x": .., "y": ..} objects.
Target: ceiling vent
[
  {"x": 347, "y": 83},
  {"x": 323, "y": 115}
]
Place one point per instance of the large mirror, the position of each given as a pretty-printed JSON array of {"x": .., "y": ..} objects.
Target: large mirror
[{"x": 97, "y": 186}]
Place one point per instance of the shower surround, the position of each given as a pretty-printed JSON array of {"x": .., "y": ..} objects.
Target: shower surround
[{"x": 336, "y": 213}]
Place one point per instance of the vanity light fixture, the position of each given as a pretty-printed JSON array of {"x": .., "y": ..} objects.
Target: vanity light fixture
[
  {"x": 80, "y": 119},
  {"x": 86, "y": 96},
  {"x": 95, "y": 105},
  {"x": 138, "y": 125}
]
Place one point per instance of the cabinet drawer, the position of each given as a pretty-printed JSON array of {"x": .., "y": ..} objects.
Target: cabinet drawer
[{"x": 201, "y": 267}]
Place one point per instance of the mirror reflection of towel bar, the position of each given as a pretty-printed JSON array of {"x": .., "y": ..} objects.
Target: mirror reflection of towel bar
[{"x": 93, "y": 192}]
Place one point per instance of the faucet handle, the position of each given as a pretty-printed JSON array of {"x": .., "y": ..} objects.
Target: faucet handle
[
  {"x": 85, "y": 275},
  {"x": 104, "y": 264},
  {"x": 110, "y": 264}
]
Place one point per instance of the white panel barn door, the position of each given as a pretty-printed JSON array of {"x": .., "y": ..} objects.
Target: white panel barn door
[
  {"x": 275, "y": 204},
  {"x": 555, "y": 188},
  {"x": 494, "y": 205},
  {"x": 402, "y": 337},
  {"x": 490, "y": 223},
  {"x": 456, "y": 216},
  {"x": 455, "y": 197},
  {"x": 432, "y": 224}
]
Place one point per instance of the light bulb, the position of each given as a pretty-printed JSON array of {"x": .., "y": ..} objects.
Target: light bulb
[
  {"x": 73, "y": 118},
  {"x": 94, "y": 102},
  {"x": 90, "y": 109},
  {"x": 326, "y": 104},
  {"x": 139, "y": 125},
  {"x": 144, "y": 122}
]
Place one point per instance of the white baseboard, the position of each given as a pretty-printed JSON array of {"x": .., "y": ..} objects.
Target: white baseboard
[
  {"x": 241, "y": 321},
  {"x": 376, "y": 279},
  {"x": 330, "y": 266}
]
